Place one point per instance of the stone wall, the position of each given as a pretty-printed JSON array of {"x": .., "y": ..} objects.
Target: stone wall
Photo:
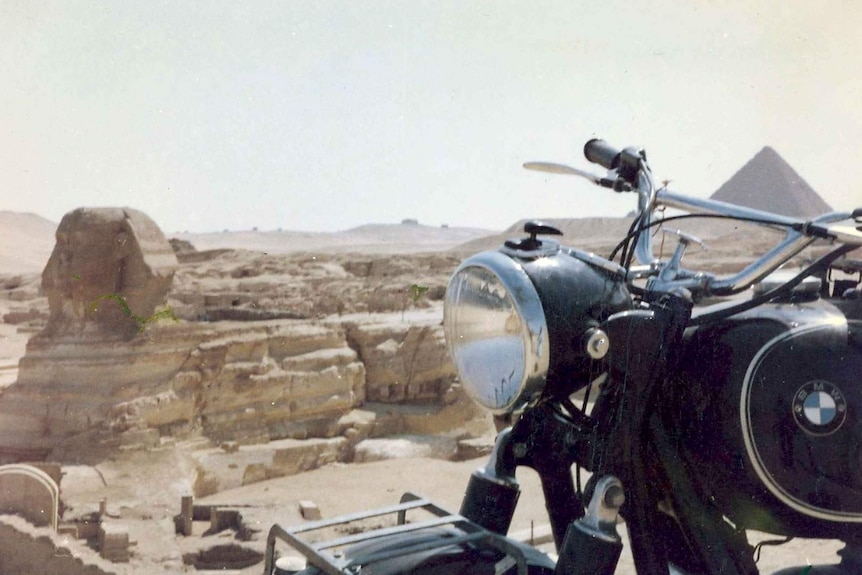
[
  {"x": 68, "y": 387},
  {"x": 29, "y": 550},
  {"x": 29, "y": 492},
  {"x": 222, "y": 285},
  {"x": 250, "y": 382},
  {"x": 405, "y": 361},
  {"x": 269, "y": 381}
]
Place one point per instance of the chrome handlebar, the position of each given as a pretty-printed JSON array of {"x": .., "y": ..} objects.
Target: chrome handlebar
[
  {"x": 799, "y": 235},
  {"x": 844, "y": 228}
]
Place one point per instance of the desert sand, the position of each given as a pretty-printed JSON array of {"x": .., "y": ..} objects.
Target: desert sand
[{"x": 144, "y": 488}]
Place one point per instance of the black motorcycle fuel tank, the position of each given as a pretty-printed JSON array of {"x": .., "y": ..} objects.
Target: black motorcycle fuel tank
[{"x": 766, "y": 408}]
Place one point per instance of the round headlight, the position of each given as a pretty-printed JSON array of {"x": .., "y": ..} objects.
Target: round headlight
[{"x": 496, "y": 332}]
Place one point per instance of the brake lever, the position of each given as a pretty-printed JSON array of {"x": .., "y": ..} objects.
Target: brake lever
[{"x": 616, "y": 184}]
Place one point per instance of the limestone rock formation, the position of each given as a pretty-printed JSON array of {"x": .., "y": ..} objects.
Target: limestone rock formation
[
  {"x": 404, "y": 361},
  {"x": 256, "y": 383},
  {"x": 109, "y": 270},
  {"x": 268, "y": 348},
  {"x": 220, "y": 285},
  {"x": 249, "y": 382}
]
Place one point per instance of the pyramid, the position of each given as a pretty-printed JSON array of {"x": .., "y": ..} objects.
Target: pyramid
[{"x": 768, "y": 183}]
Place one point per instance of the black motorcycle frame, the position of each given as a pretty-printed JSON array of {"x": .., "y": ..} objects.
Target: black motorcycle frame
[{"x": 626, "y": 440}]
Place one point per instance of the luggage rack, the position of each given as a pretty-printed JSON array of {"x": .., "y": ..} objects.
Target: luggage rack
[{"x": 324, "y": 554}]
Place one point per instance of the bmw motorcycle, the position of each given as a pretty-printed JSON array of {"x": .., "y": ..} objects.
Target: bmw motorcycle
[{"x": 699, "y": 409}]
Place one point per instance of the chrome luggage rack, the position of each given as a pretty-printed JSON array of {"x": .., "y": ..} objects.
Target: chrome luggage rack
[{"x": 325, "y": 555}]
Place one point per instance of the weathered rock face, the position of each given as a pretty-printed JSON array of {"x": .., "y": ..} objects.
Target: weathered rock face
[
  {"x": 235, "y": 285},
  {"x": 405, "y": 361},
  {"x": 272, "y": 381},
  {"x": 289, "y": 379},
  {"x": 251, "y": 382},
  {"x": 232, "y": 381},
  {"x": 109, "y": 268},
  {"x": 268, "y": 348}
]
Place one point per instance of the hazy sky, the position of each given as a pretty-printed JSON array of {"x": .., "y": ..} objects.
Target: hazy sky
[{"x": 324, "y": 115}]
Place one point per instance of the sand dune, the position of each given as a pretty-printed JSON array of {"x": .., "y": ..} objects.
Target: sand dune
[
  {"x": 371, "y": 238},
  {"x": 26, "y": 241}
]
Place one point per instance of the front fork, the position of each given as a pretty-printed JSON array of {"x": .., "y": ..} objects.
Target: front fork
[
  {"x": 493, "y": 491},
  {"x": 590, "y": 545},
  {"x": 645, "y": 347},
  {"x": 545, "y": 441}
]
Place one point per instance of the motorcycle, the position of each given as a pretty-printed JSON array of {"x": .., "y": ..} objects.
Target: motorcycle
[{"x": 702, "y": 414}]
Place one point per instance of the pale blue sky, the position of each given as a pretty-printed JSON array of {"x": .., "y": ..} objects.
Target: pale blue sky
[{"x": 324, "y": 115}]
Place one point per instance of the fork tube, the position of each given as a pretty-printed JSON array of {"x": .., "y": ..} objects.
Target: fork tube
[
  {"x": 493, "y": 491},
  {"x": 646, "y": 204}
]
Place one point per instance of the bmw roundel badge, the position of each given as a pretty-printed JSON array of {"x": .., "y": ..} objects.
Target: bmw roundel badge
[{"x": 819, "y": 407}]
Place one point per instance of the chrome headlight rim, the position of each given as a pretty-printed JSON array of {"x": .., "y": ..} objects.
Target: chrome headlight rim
[{"x": 525, "y": 299}]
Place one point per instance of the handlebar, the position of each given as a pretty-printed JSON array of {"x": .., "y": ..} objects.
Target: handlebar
[
  {"x": 630, "y": 165},
  {"x": 626, "y": 163},
  {"x": 600, "y": 152},
  {"x": 799, "y": 235}
]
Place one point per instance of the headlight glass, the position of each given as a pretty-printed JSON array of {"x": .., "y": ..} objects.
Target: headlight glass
[{"x": 496, "y": 332}]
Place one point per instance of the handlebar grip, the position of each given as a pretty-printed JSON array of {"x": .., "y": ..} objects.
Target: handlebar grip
[{"x": 600, "y": 152}]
